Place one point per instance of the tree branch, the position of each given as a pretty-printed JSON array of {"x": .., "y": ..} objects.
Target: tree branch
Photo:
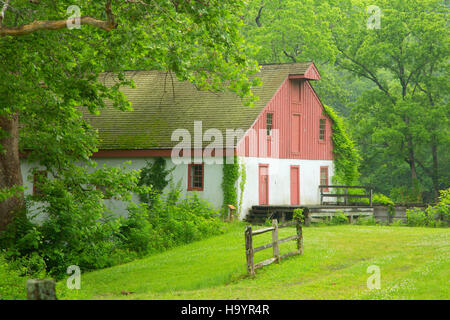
[
  {"x": 34, "y": 26},
  {"x": 2, "y": 13},
  {"x": 258, "y": 23}
]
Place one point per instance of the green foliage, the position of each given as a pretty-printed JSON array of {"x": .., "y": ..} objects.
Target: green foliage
[
  {"x": 298, "y": 214},
  {"x": 405, "y": 194},
  {"x": 178, "y": 221},
  {"x": 346, "y": 156},
  {"x": 154, "y": 175},
  {"x": 366, "y": 221},
  {"x": 54, "y": 78},
  {"x": 243, "y": 176},
  {"x": 398, "y": 223},
  {"x": 230, "y": 177},
  {"x": 78, "y": 237},
  {"x": 12, "y": 283},
  {"x": 417, "y": 218},
  {"x": 288, "y": 31},
  {"x": 382, "y": 199},
  {"x": 6, "y": 193},
  {"x": 432, "y": 216},
  {"x": 340, "y": 218}
]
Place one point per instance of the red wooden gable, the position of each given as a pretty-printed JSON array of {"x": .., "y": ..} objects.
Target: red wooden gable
[{"x": 296, "y": 112}]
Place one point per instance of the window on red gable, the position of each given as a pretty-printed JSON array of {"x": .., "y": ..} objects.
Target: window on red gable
[
  {"x": 322, "y": 123},
  {"x": 324, "y": 177},
  {"x": 38, "y": 178},
  {"x": 195, "y": 177},
  {"x": 269, "y": 122}
]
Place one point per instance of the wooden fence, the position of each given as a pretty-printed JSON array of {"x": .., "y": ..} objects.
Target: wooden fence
[
  {"x": 250, "y": 251},
  {"x": 368, "y": 194}
]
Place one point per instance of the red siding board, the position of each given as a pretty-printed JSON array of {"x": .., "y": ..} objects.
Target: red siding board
[{"x": 294, "y": 98}]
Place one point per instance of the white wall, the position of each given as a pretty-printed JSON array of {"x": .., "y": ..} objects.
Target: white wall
[
  {"x": 212, "y": 183},
  {"x": 279, "y": 181}
]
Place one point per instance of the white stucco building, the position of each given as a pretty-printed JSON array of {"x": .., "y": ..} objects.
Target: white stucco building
[{"x": 283, "y": 142}]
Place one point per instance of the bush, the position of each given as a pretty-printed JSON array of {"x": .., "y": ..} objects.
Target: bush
[
  {"x": 340, "y": 218},
  {"x": 182, "y": 221},
  {"x": 367, "y": 221},
  {"x": 416, "y": 218},
  {"x": 437, "y": 216},
  {"x": 90, "y": 240},
  {"x": 298, "y": 214},
  {"x": 12, "y": 283}
]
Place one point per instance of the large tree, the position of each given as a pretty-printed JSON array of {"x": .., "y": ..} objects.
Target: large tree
[
  {"x": 393, "y": 76},
  {"x": 48, "y": 70},
  {"x": 405, "y": 118}
]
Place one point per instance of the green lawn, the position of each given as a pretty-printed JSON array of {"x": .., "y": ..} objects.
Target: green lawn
[{"x": 414, "y": 264}]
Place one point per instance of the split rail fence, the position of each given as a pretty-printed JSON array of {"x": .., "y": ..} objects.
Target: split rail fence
[{"x": 250, "y": 251}]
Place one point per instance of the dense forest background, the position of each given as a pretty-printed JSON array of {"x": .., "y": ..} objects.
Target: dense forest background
[{"x": 384, "y": 68}]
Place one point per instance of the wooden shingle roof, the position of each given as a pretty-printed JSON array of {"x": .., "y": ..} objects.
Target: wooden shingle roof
[{"x": 161, "y": 106}]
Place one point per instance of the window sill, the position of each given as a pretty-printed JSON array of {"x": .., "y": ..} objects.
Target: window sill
[{"x": 195, "y": 189}]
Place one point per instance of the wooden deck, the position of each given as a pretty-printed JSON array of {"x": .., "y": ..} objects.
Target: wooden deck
[{"x": 259, "y": 214}]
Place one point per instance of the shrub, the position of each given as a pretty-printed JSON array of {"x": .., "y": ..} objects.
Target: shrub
[
  {"x": 12, "y": 283},
  {"x": 416, "y": 217},
  {"x": 398, "y": 223},
  {"x": 183, "y": 221},
  {"x": 340, "y": 218},
  {"x": 366, "y": 221},
  {"x": 298, "y": 214},
  {"x": 92, "y": 240}
]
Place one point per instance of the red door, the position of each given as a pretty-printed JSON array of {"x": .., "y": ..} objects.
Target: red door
[
  {"x": 295, "y": 185},
  {"x": 263, "y": 184}
]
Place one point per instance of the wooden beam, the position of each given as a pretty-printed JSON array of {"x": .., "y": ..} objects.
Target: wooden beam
[
  {"x": 294, "y": 237},
  {"x": 265, "y": 263},
  {"x": 260, "y": 231},
  {"x": 276, "y": 251}
]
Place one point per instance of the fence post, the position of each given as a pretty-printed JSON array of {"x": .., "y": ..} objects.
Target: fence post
[
  {"x": 38, "y": 289},
  {"x": 300, "y": 236},
  {"x": 276, "y": 251},
  {"x": 370, "y": 199},
  {"x": 249, "y": 250}
]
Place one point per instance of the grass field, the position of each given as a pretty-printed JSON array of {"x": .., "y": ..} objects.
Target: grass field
[{"x": 414, "y": 264}]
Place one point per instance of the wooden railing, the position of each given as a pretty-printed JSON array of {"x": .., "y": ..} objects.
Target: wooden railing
[
  {"x": 250, "y": 251},
  {"x": 368, "y": 194}
]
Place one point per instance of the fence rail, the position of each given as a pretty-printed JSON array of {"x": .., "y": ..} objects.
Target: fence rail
[
  {"x": 368, "y": 193},
  {"x": 250, "y": 251}
]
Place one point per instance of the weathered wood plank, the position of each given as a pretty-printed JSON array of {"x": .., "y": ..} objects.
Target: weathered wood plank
[
  {"x": 289, "y": 254},
  {"x": 260, "y": 231},
  {"x": 266, "y": 246},
  {"x": 300, "y": 238},
  {"x": 276, "y": 251},
  {"x": 265, "y": 263},
  {"x": 294, "y": 237},
  {"x": 249, "y": 250}
]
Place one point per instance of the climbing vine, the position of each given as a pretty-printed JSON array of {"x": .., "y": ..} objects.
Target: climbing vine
[
  {"x": 230, "y": 177},
  {"x": 156, "y": 175},
  {"x": 243, "y": 175},
  {"x": 346, "y": 156}
]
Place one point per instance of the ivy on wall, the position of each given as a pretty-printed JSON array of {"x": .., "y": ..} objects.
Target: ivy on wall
[
  {"x": 346, "y": 157},
  {"x": 243, "y": 176},
  {"x": 230, "y": 177},
  {"x": 156, "y": 175}
]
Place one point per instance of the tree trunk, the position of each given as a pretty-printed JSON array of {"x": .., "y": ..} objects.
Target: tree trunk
[
  {"x": 435, "y": 176},
  {"x": 10, "y": 174}
]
